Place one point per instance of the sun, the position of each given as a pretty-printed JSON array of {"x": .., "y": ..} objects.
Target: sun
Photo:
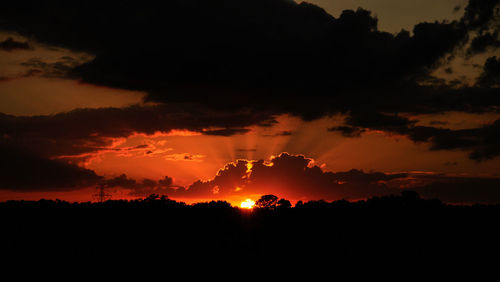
[{"x": 247, "y": 204}]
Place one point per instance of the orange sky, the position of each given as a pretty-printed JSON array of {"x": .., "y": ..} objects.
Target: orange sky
[{"x": 190, "y": 156}]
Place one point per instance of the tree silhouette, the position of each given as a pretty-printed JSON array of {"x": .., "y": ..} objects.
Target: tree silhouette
[
  {"x": 461, "y": 235},
  {"x": 284, "y": 204},
  {"x": 152, "y": 198},
  {"x": 267, "y": 202}
]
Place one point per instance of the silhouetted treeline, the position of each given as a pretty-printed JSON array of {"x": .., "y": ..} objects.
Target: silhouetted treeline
[{"x": 383, "y": 238}]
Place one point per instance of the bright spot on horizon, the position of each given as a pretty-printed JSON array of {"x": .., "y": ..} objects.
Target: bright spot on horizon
[{"x": 247, "y": 204}]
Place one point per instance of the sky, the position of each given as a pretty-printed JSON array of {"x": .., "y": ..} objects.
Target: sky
[{"x": 230, "y": 100}]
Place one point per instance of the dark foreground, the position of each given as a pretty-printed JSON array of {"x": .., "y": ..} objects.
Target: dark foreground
[{"x": 390, "y": 238}]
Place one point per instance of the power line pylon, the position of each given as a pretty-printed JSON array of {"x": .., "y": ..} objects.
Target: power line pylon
[{"x": 101, "y": 195}]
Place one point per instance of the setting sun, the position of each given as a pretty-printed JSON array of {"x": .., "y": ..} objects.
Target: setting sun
[{"x": 247, "y": 204}]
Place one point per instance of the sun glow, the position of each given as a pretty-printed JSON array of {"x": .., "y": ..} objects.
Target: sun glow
[{"x": 247, "y": 204}]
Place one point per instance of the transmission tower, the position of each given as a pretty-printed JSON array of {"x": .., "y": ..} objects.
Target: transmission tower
[{"x": 101, "y": 195}]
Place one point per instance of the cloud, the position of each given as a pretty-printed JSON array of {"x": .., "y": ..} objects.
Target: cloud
[
  {"x": 329, "y": 64},
  {"x": 293, "y": 176},
  {"x": 166, "y": 182},
  {"x": 120, "y": 181},
  {"x": 479, "y": 14},
  {"x": 184, "y": 157},
  {"x": 51, "y": 144},
  {"x": 240, "y": 62},
  {"x": 142, "y": 188},
  {"x": 454, "y": 189},
  {"x": 21, "y": 171},
  {"x": 226, "y": 131},
  {"x": 84, "y": 131},
  {"x": 474, "y": 190},
  {"x": 482, "y": 142},
  {"x": 357, "y": 123},
  {"x": 490, "y": 76},
  {"x": 347, "y": 131},
  {"x": 10, "y": 45},
  {"x": 483, "y": 42},
  {"x": 273, "y": 55},
  {"x": 58, "y": 69},
  {"x": 484, "y": 18},
  {"x": 281, "y": 133}
]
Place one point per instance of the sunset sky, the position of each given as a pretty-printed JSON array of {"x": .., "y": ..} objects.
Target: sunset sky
[{"x": 234, "y": 99}]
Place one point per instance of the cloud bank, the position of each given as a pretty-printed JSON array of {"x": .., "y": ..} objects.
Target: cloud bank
[{"x": 270, "y": 56}]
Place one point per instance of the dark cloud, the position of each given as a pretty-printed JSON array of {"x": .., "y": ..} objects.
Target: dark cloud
[
  {"x": 59, "y": 68},
  {"x": 458, "y": 189},
  {"x": 166, "y": 182},
  {"x": 142, "y": 188},
  {"x": 281, "y": 133},
  {"x": 10, "y": 45},
  {"x": 21, "y": 171},
  {"x": 491, "y": 73},
  {"x": 241, "y": 62},
  {"x": 484, "y": 17},
  {"x": 476, "y": 190},
  {"x": 379, "y": 121},
  {"x": 120, "y": 181},
  {"x": 321, "y": 74},
  {"x": 480, "y": 14},
  {"x": 285, "y": 133},
  {"x": 84, "y": 131},
  {"x": 438, "y": 122},
  {"x": 483, "y": 42},
  {"x": 76, "y": 135},
  {"x": 347, "y": 131},
  {"x": 482, "y": 142},
  {"x": 272, "y": 55},
  {"x": 226, "y": 131}
]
